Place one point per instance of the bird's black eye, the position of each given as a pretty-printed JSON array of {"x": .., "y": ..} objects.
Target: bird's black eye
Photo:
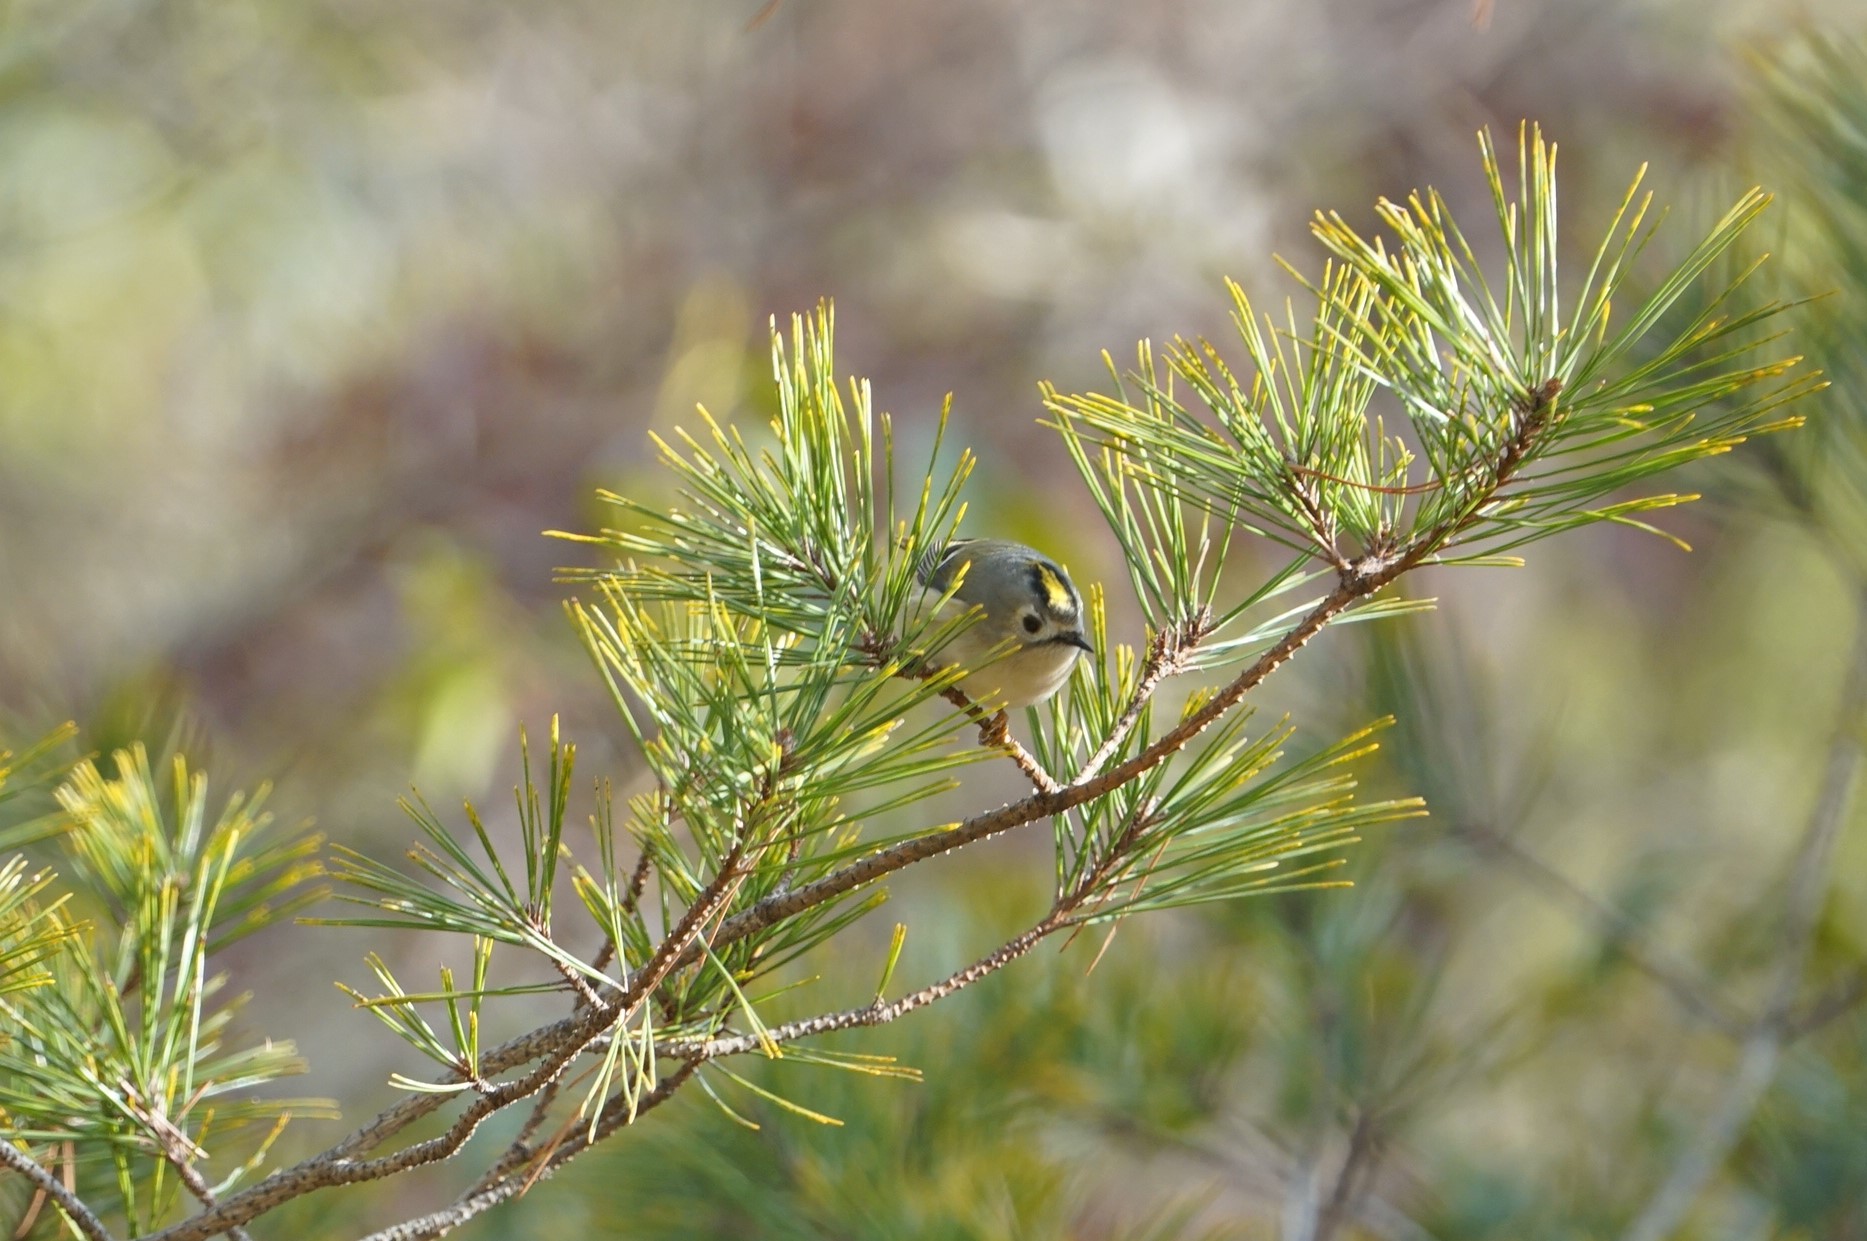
[{"x": 1031, "y": 623}]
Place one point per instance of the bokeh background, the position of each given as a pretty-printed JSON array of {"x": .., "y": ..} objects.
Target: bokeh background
[{"x": 314, "y": 314}]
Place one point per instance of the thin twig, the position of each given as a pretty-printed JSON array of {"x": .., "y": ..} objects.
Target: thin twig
[
  {"x": 1808, "y": 890},
  {"x": 323, "y": 1172},
  {"x": 1320, "y": 527},
  {"x": 520, "y": 1151},
  {"x": 668, "y": 954},
  {"x": 1416, "y": 489},
  {"x": 880, "y": 1013},
  {"x": 1061, "y": 915},
  {"x": 638, "y": 880},
  {"x": 479, "y": 1199},
  {"x": 995, "y": 734},
  {"x": 586, "y": 994},
  {"x": 197, "y": 1185},
  {"x": 875, "y": 1014},
  {"x": 49, "y": 1185},
  {"x": 1256, "y": 1166},
  {"x": 1358, "y": 1165},
  {"x": 1164, "y": 657}
]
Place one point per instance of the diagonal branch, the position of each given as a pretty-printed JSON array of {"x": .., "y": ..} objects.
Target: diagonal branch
[
  {"x": 1533, "y": 416},
  {"x": 679, "y": 941},
  {"x": 1063, "y": 914},
  {"x": 699, "y": 1051},
  {"x": 73, "y": 1206},
  {"x": 329, "y": 1169},
  {"x": 1165, "y": 656},
  {"x": 1042, "y": 805},
  {"x": 487, "y": 1195},
  {"x": 501, "y": 1181},
  {"x": 198, "y": 1186},
  {"x": 1825, "y": 1008},
  {"x": 995, "y": 734}
]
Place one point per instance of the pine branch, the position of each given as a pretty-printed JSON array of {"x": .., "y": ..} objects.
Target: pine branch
[
  {"x": 554, "y": 1046},
  {"x": 81, "y": 1216},
  {"x": 1062, "y": 915},
  {"x": 488, "y": 1194},
  {"x": 198, "y": 1186},
  {"x": 1837, "y": 1002},
  {"x": 995, "y": 734},
  {"x": 1165, "y": 656},
  {"x": 1363, "y": 579},
  {"x": 875, "y": 1014},
  {"x": 1040, "y": 805}
]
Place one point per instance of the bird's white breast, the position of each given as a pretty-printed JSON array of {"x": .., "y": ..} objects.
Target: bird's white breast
[{"x": 1017, "y": 679}]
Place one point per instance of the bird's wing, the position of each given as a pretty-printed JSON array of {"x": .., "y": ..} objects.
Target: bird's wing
[{"x": 935, "y": 570}]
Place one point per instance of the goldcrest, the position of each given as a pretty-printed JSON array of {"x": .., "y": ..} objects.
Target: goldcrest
[{"x": 1028, "y": 607}]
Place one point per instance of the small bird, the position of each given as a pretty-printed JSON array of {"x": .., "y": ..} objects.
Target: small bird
[{"x": 1026, "y": 597}]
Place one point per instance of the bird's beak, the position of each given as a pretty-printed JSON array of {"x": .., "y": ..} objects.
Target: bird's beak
[{"x": 1076, "y": 640}]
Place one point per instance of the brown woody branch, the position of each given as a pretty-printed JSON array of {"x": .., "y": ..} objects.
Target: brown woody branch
[
  {"x": 198, "y": 1186},
  {"x": 1063, "y": 914},
  {"x": 51, "y": 1187},
  {"x": 995, "y": 734},
  {"x": 502, "y": 1180},
  {"x": 878, "y": 1013},
  {"x": 1046, "y": 804},
  {"x": 509, "y": 1185},
  {"x": 1835, "y": 1002},
  {"x": 1165, "y": 656}
]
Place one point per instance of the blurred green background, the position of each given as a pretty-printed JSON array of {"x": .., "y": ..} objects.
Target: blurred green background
[{"x": 314, "y": 314}]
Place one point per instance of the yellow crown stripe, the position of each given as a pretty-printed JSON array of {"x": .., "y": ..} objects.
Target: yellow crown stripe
[{"x": 1056, "y": 593}]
